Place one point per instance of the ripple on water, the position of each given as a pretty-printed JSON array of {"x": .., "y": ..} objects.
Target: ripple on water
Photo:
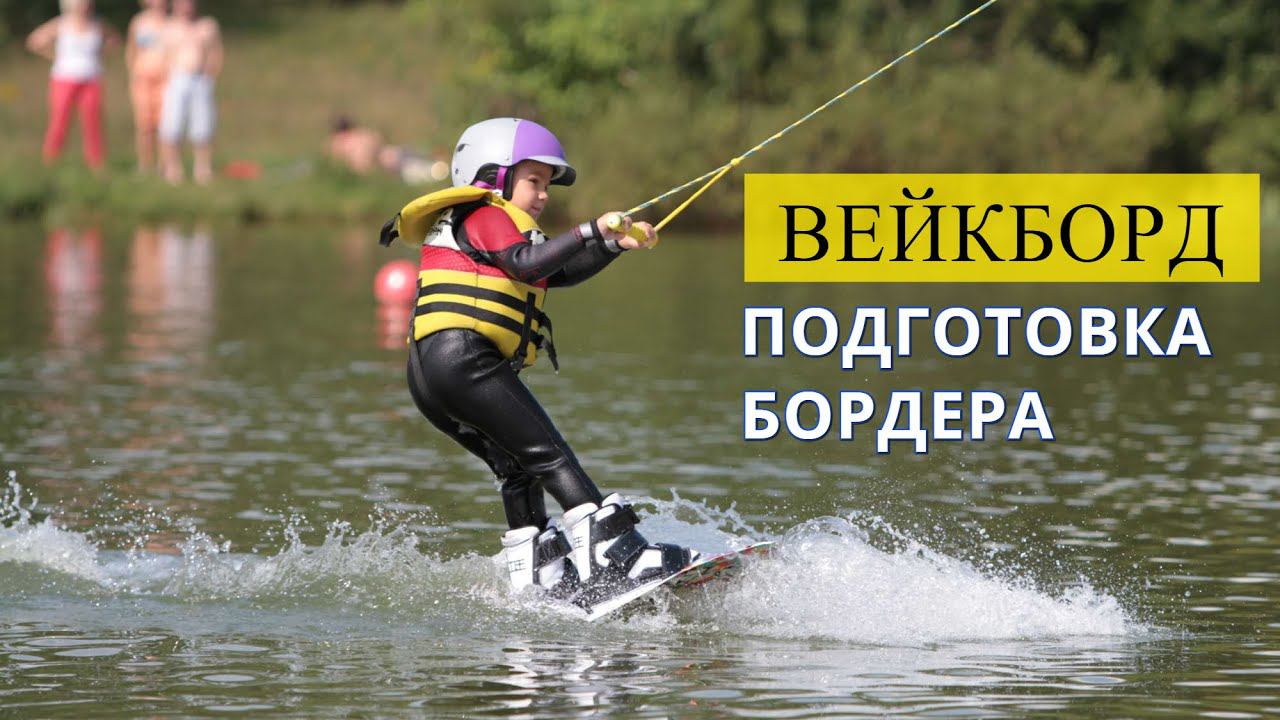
[
  {"x": 224, "y": 678},
  {"x": 90, "y": 652},
  {"x": 234, "y": 648}
]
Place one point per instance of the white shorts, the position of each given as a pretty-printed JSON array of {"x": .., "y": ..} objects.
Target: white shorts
[{"x": 188, "y": 104}]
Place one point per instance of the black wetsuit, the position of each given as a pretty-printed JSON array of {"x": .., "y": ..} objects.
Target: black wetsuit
[{"x": 472, "y": 393}]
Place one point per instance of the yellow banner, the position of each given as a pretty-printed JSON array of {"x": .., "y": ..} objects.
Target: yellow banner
[{"x": 1002, "y": 228}]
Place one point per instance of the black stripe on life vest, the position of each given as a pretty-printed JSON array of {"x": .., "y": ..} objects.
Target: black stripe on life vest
[
  {"x": 481, "y": 314},
  {"x": 472, "y": 291},
  {"x": 482, "y": 294}
]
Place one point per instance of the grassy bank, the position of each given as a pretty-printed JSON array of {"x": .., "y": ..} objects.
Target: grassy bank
[{"x": 304, "y": 190}]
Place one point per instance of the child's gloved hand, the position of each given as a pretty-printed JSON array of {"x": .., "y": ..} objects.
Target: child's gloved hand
[{"x": 627, "y": 241}]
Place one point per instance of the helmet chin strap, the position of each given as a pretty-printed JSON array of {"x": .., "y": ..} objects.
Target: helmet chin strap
[{"x": 499, "y": 183}]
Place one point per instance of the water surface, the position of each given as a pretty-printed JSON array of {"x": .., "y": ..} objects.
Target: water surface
[{"x": 239, "y": 510}]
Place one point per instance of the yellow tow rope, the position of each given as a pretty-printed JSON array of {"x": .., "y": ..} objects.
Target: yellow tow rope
[{"x": 616, "y": 222}]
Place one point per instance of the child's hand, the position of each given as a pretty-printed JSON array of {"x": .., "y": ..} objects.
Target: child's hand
[
  {"x": 630, "y": 243},
  {"x": 621, "y": 236}
]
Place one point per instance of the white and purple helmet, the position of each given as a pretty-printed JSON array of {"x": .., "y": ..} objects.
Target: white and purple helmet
[{"x": 490, "y": 148}]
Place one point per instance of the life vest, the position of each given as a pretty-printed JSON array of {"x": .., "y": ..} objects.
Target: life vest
[{"x": 458, "y": 287}]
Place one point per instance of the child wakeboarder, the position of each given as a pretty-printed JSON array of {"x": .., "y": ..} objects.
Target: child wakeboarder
[{"x": 485, "y": 270}]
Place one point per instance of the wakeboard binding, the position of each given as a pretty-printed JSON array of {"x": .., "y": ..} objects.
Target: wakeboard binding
[
  {"x": 537, "y": 556},
  {"x": 611, "y": 558}
]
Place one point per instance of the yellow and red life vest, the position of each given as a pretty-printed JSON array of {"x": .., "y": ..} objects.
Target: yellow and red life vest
[{"x": 457, "y": 288}]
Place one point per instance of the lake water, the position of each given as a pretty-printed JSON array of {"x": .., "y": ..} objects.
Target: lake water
[{"x": 220, "y": 500}]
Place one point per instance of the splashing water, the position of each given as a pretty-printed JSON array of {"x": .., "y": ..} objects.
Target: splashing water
[
  {"x": 379, "y": 568},
  {"x": 827, "y": 579},
  {"x": 43, "y": 544}
]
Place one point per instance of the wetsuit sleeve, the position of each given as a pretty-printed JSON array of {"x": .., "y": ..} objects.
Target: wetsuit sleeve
[
  {"x": 591, "y": 259},
  {"x": 491, "y": 233}
]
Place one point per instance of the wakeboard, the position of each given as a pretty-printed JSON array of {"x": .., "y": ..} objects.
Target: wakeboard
[{"x": 713, "y": 569}]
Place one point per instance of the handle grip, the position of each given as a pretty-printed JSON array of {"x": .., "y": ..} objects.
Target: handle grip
[{"x": 615, "y": 223}]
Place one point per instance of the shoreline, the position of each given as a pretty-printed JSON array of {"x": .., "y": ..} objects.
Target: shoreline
[{"x": 304, "y": 189}]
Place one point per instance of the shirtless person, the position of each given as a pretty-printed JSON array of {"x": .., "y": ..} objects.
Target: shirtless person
[
  {"x": 354, "y": 146},
  {"x": 193, "y": 46},
  {"x": 144, "y": 55},
  {"x": 363, "y": 150}
]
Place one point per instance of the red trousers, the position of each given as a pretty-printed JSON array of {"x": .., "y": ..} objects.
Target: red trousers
[{"x": 86, "y": 98}]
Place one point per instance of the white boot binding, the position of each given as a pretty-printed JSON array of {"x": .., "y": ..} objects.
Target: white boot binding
[
  {"x": 612, "y": 557},
  {"x": 537, "y": 557}
]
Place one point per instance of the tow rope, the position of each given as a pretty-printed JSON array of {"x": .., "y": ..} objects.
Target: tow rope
[{"x": 615, "y": 222}]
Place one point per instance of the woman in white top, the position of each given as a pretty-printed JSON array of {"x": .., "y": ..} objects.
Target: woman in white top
[{"x": 74, "y": 41}]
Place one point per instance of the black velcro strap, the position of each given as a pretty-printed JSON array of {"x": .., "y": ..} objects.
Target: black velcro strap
[
  {"x": 389, "y": 232},
  {"x": 552, "y": 549},
  {"x": 544, "y": 342},
  {"x": 674, "y": 557},
  {"x": 622, "y": 520},
  {"x": 526, "y": 334},
  {"x": 626, "y": 549}
]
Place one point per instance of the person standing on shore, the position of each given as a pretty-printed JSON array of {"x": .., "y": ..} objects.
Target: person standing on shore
[
  {"x": 144, "y": 55},
  {"x": 193, "y": 47},
  {"x": 74, "y": 41}
]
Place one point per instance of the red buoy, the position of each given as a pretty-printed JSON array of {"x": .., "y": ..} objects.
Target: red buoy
[{"x": 396, "y": 283}]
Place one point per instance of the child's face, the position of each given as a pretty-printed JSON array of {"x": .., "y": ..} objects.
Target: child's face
[{"x": 530, "y": 182}]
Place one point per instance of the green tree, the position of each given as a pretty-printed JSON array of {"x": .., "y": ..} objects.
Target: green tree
[{"x": 655, "y": 93}]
